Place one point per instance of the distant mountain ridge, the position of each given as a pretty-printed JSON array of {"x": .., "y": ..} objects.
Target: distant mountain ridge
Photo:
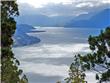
[
  {"x": 99, "y": 20},
  {"x": 96, "y": 19},
  {"x": 42, "y": 20}
]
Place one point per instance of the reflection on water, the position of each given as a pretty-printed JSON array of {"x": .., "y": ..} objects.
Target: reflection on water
[{"x": 48, "y": 61}]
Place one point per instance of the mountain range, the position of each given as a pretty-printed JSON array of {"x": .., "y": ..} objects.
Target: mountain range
[
  {"x": 42, "y": 20},
  {"x": 97, "y": 19}
]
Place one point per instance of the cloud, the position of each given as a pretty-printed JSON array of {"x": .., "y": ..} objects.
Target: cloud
[
  {"x": 57, "y": 9},
  {"x": 47, "y": 51},
  {"x": 85, "y": 4},
  {"x": 70, "y": 9},
  {"x": 76, "y": 7},
  {"x": 25, "y": 8},
  {"x": 42, "y": 68},
  {"x": 40, "y": 3}
]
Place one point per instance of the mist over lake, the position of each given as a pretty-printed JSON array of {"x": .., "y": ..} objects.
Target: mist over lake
[{"x": 48, "y": 61}]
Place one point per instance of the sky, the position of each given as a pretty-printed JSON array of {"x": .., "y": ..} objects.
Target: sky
[
  {"x": 41, "y": 3},
  {"x": 58, "y": 7}
]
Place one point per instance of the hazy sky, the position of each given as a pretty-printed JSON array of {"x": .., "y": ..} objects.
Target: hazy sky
[
  {"x": 40, "y": 3},
  {"x": 59, "y": 7}
]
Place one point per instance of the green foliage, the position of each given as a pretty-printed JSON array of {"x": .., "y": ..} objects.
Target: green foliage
[
  {"x": 10, "y": 73},
  {"x": 58, "y": 82},
  {"x": 76, "y": 75},
  {"x": 100, "y": 56}
]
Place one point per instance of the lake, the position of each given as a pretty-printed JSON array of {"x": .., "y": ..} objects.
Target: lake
[{"x": 49, "y": 60}]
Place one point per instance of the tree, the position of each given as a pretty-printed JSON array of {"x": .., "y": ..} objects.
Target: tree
[
  {"x": 76, "y": 75},
  {"x": 10, "y": 73},
  {"x": 58, "y": 82},
  {"x": 99, "y": 59}
]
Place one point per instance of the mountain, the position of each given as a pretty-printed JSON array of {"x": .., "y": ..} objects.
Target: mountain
[
  {"x": 21, "y": 38},
  {"x": 33, "y": 20},
  {"x": 42, "y": 20},
  {"x": 96, "y": 19},
  {"x": 99, "y": 20}
]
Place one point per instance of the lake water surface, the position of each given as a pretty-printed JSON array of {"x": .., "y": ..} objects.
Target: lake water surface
[{"x": 49, "y": 60}]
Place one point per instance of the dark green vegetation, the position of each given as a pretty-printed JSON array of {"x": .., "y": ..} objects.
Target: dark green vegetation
[
  {"x": 10, "y": 73},
  {"x": 99, "y": 59}
]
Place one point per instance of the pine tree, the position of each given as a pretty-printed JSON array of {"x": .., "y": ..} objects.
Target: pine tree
[
  {"x": 10, "y": 73},
  {"x": 99, "y": 59}
]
